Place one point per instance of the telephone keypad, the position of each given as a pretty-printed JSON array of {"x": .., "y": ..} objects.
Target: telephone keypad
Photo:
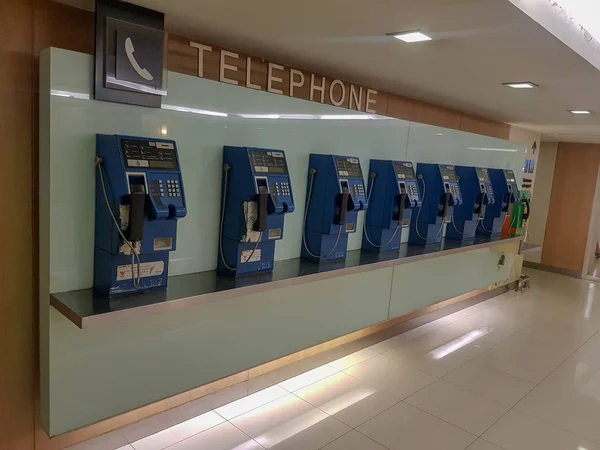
[
  {"x": 358, "y": 190},
  {"x": 281, "y": 188},
  {"x": 173, "y": 189}
]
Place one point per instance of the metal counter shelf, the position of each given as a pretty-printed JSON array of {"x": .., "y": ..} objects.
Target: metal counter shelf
[{"x": 87, "y": 309}]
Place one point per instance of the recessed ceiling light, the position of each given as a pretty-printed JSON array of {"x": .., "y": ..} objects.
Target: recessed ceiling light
[
  {"x": 521, "y": 85},
  {"x": 411, "y": 36},
  {"x": 581, "y": 112}
]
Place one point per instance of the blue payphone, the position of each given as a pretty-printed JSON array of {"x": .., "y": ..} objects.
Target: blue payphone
[
  {"x": 440, "y": 194},
  {"x": 477, "y": 192},
  {"x": 334, "y": 195},
  {"x": 392, "y": 195},
  {"x": 506, "y": 194},
  {"x": 139, "y": 198},
  {"x": 256, "y": 193}
]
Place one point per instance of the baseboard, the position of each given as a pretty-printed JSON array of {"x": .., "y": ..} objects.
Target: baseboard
[
  {"x": 546, "y": 268},
  {"x": 378, "y": 332}
]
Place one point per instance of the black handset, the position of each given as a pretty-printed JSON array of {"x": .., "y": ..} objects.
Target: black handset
[
  {"x": 342, "y": 205},
  {"x": 445, "y": 202},
  {"x": 263, "y": 198},
  {"x": 137, "y": 205},
  {"x": 401, "y": 203},
  {"x": 528, "y": 207},
  {"x": 480, "y": 210}
]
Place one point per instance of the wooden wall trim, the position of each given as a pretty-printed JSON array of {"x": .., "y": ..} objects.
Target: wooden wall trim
[
  {"x": 571, "y": 203},
  {"x": 253, "y": 70}
]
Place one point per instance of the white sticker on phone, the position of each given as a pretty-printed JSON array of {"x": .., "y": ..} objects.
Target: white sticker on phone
[
  {"x": 149, "y": 269},
  {"x": 254, "y": 256}
]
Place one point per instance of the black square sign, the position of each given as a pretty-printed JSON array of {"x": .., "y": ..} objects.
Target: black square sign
[
  {"x": 139, "y": 55},
  {"x": 130, "y": 57}
]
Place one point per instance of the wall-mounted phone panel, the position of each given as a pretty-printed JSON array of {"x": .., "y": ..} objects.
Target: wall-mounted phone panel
[
  {"x": 256, "y": 193},
  {"x": 139, "y": 198},
  {"x": 393, "y": 195},
  {"x": 440, "y": 194},
  {"x": 477, "y": 192},
  {"x": 506, "y": 193},
  {"x": 334, "y": 195}
]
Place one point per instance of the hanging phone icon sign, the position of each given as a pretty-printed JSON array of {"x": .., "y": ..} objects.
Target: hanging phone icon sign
[{"x": 141, "y": 72}]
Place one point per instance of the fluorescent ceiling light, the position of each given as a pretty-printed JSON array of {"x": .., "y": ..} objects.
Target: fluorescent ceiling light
[
  {"x": 411, "y": 36},
  {"x": 486, "y": 149},
  {"x": 193, "y": 110},
  {"x": 345, "y": 117},
  {"x": 581, "y": 112},
  {"x": 298, "y": 116},
  {"x": 260, "y": 116},
  {"x": 521, "y": 85}
]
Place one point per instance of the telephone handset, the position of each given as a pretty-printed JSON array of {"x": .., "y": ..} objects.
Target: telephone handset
[
  {"x": 137, "y": 212},
  {"x": 129, "y": 50},
  {"x": 526, "y": 212},
  {"x": 445, "y": 203},
  {"x": 480, "y": 210},
  {"x": 401, "y": 205},
  {"x": 343, "y": 204},
  {"x": 263, "y": 198}
]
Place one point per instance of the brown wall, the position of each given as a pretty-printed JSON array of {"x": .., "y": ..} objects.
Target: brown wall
[
  {"x": 571, "y": 203},
  {"x": 28, "y": 26}
]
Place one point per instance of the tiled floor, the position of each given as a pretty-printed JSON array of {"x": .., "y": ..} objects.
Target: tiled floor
[{"x": 517, "y": 372}]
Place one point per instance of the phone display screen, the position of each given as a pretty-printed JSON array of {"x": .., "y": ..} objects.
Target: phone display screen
[
  {"x": 268, "y": 162},
  {"x": 404, "y": 170},
  {"x": 483, "y": 175},
  {"x": 348, "y": 167}
]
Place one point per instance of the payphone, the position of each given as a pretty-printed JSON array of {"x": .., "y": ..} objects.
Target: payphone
[
  {"x": 256, "y": 193},
  {"x": 477, "y": 193},
  {"x": 139, "y": 198},
  {"x": 334, "y": 195},
  {"x": 392, "y": 195},
  {"x": 440, "y": 193},
  {"x": 506, "y": 193}
]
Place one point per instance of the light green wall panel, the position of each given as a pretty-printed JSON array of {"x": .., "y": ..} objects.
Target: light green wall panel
[
  {"x": 427, "y": 282},
  {"x": 88, "y": 375},
  {"x": 98, "y": 373}
]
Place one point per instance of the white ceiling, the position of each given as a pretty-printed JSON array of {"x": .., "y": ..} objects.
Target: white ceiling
[{"x": 478, "y": 45}]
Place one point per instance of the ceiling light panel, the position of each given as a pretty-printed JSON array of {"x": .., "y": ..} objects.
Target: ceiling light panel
[
  {"x": 411, "y": 36},
  {"x": 580, "y": 112},
  {"x": 521, "y": 85}
]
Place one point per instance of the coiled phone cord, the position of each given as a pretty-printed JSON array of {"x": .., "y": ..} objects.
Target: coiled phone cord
[
  {"x": 313, "y": 172},
  {"x": 373, "y": 175},
  {"x": 226, "y": 169},
  {"x": 420, "y": 177},
  {"x": 134, "y": 253}
]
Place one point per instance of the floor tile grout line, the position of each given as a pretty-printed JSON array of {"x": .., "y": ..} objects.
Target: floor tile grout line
[
  {"x": 246, "y": 434},
  {"x": 514, "y": 407}
]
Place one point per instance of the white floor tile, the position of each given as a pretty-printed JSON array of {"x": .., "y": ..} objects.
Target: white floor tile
[
  {"x": 390, "y": 376},
  {"x": 256, "y": 400},
  {"x": 405, "y": 427},
  {"x": 389, "y": 344},
  {"x": 159, "y": 422},
  {"x": 462, "y": 408},
  {"x": 569, "y": 398},
  {"x": 353, "y": 359},
  {"x": 354, "y": 441},
  {"x": 221, "y": 437},
  {"x": 519, "y": 431},
  {"x": 285, "y": 419},
  {"x": 307, "y": 378},
  {"x": 480, "y": 444},
  {"x": 443, "y": 350},
  {"x": 179, "y": 432},
  {"x": 527, "y": 356},
  {"x": 490, "y": 382},
  {"x": 347, "y": 399},
  {"x": 315, "y": 437}
]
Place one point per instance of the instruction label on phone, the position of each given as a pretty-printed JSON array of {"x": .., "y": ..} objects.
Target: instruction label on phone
[
  {"x": 149, "y": 269},
  {"x": 248, "y": 254}
]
